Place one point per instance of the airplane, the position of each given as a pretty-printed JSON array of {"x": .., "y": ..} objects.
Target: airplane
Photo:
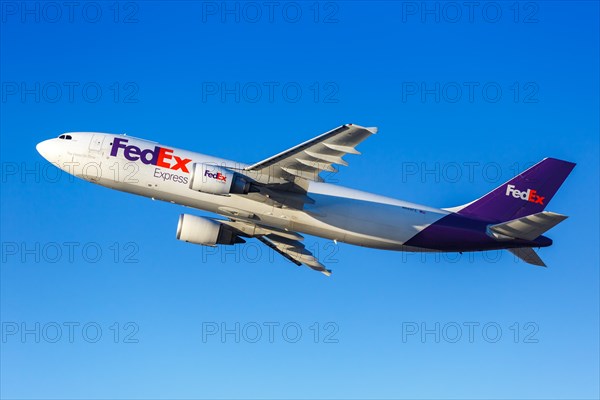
[{"x": 278, "y": 199}]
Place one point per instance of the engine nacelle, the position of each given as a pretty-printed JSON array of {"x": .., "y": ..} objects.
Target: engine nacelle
[
  {"x": 217, "y": 180},
  {"x": 204, "y": 231}
]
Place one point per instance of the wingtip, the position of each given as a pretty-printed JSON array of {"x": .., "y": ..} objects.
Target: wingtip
[{"x": 372, "y": 129}]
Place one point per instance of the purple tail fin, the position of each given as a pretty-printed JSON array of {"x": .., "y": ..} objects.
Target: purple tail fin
[{"x": 525, "y": 194}]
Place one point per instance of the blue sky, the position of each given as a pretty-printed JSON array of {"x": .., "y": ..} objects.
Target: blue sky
[{"x": 464, "y": 98}]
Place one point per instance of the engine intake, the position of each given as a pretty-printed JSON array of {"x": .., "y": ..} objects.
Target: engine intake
[
  {"x": 217, "y": 180},
  {"x": 205, "y": 231}
]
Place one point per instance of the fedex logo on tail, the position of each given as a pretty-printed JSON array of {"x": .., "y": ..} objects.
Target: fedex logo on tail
[
  {"x": 159, "y": 156},
  {"x": 527, "y": 195}
]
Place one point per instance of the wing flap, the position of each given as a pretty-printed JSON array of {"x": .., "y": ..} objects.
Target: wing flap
[
  {"x": 287, "y": 243},
  {"x": 330, "y": 158},
  {"x": 295, "y": 252},
  {"x": 342, "y": 149},
  {"x": 317, "y": 166},
  {"x": 308, "y": 173},
  {"x": 253, "y": 230}
]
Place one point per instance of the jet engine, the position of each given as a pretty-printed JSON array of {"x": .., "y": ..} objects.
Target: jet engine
[
  {"x": 218, "y": 180},
  {"x": 205, "y": 231}
]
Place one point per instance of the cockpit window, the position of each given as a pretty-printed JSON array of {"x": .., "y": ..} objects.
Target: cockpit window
[
  {"x": 66, "y": 137},
  {"x": 61, "y": 137}
]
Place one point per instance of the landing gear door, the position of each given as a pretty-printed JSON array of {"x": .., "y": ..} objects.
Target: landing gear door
[{"x": 96, "y": 143}]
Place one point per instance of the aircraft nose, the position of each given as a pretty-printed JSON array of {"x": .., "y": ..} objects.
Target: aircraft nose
[{"x": 47, "y": 149}]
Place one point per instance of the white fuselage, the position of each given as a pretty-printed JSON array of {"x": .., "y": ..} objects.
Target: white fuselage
[{"x": 338, "y": 213}]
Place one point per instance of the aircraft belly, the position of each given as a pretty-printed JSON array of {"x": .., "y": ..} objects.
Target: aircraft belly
[
  {"x": 360, "y": 222},
  {"x": 371, "y": 224}
]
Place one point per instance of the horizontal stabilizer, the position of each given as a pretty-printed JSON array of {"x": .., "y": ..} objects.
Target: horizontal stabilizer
[
  {"x": 528, "y": 255},
  {"x": 528, "y": 228}
]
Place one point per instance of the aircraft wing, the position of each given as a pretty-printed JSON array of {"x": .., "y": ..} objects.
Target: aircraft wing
[
  {"x": 307, "y": 160},
  {"x": 294, "y": 251},
  {"x": 288, "y": 244}
]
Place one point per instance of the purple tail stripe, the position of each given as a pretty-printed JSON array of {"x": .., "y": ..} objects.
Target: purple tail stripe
[{"x": 526, "y": 194}]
